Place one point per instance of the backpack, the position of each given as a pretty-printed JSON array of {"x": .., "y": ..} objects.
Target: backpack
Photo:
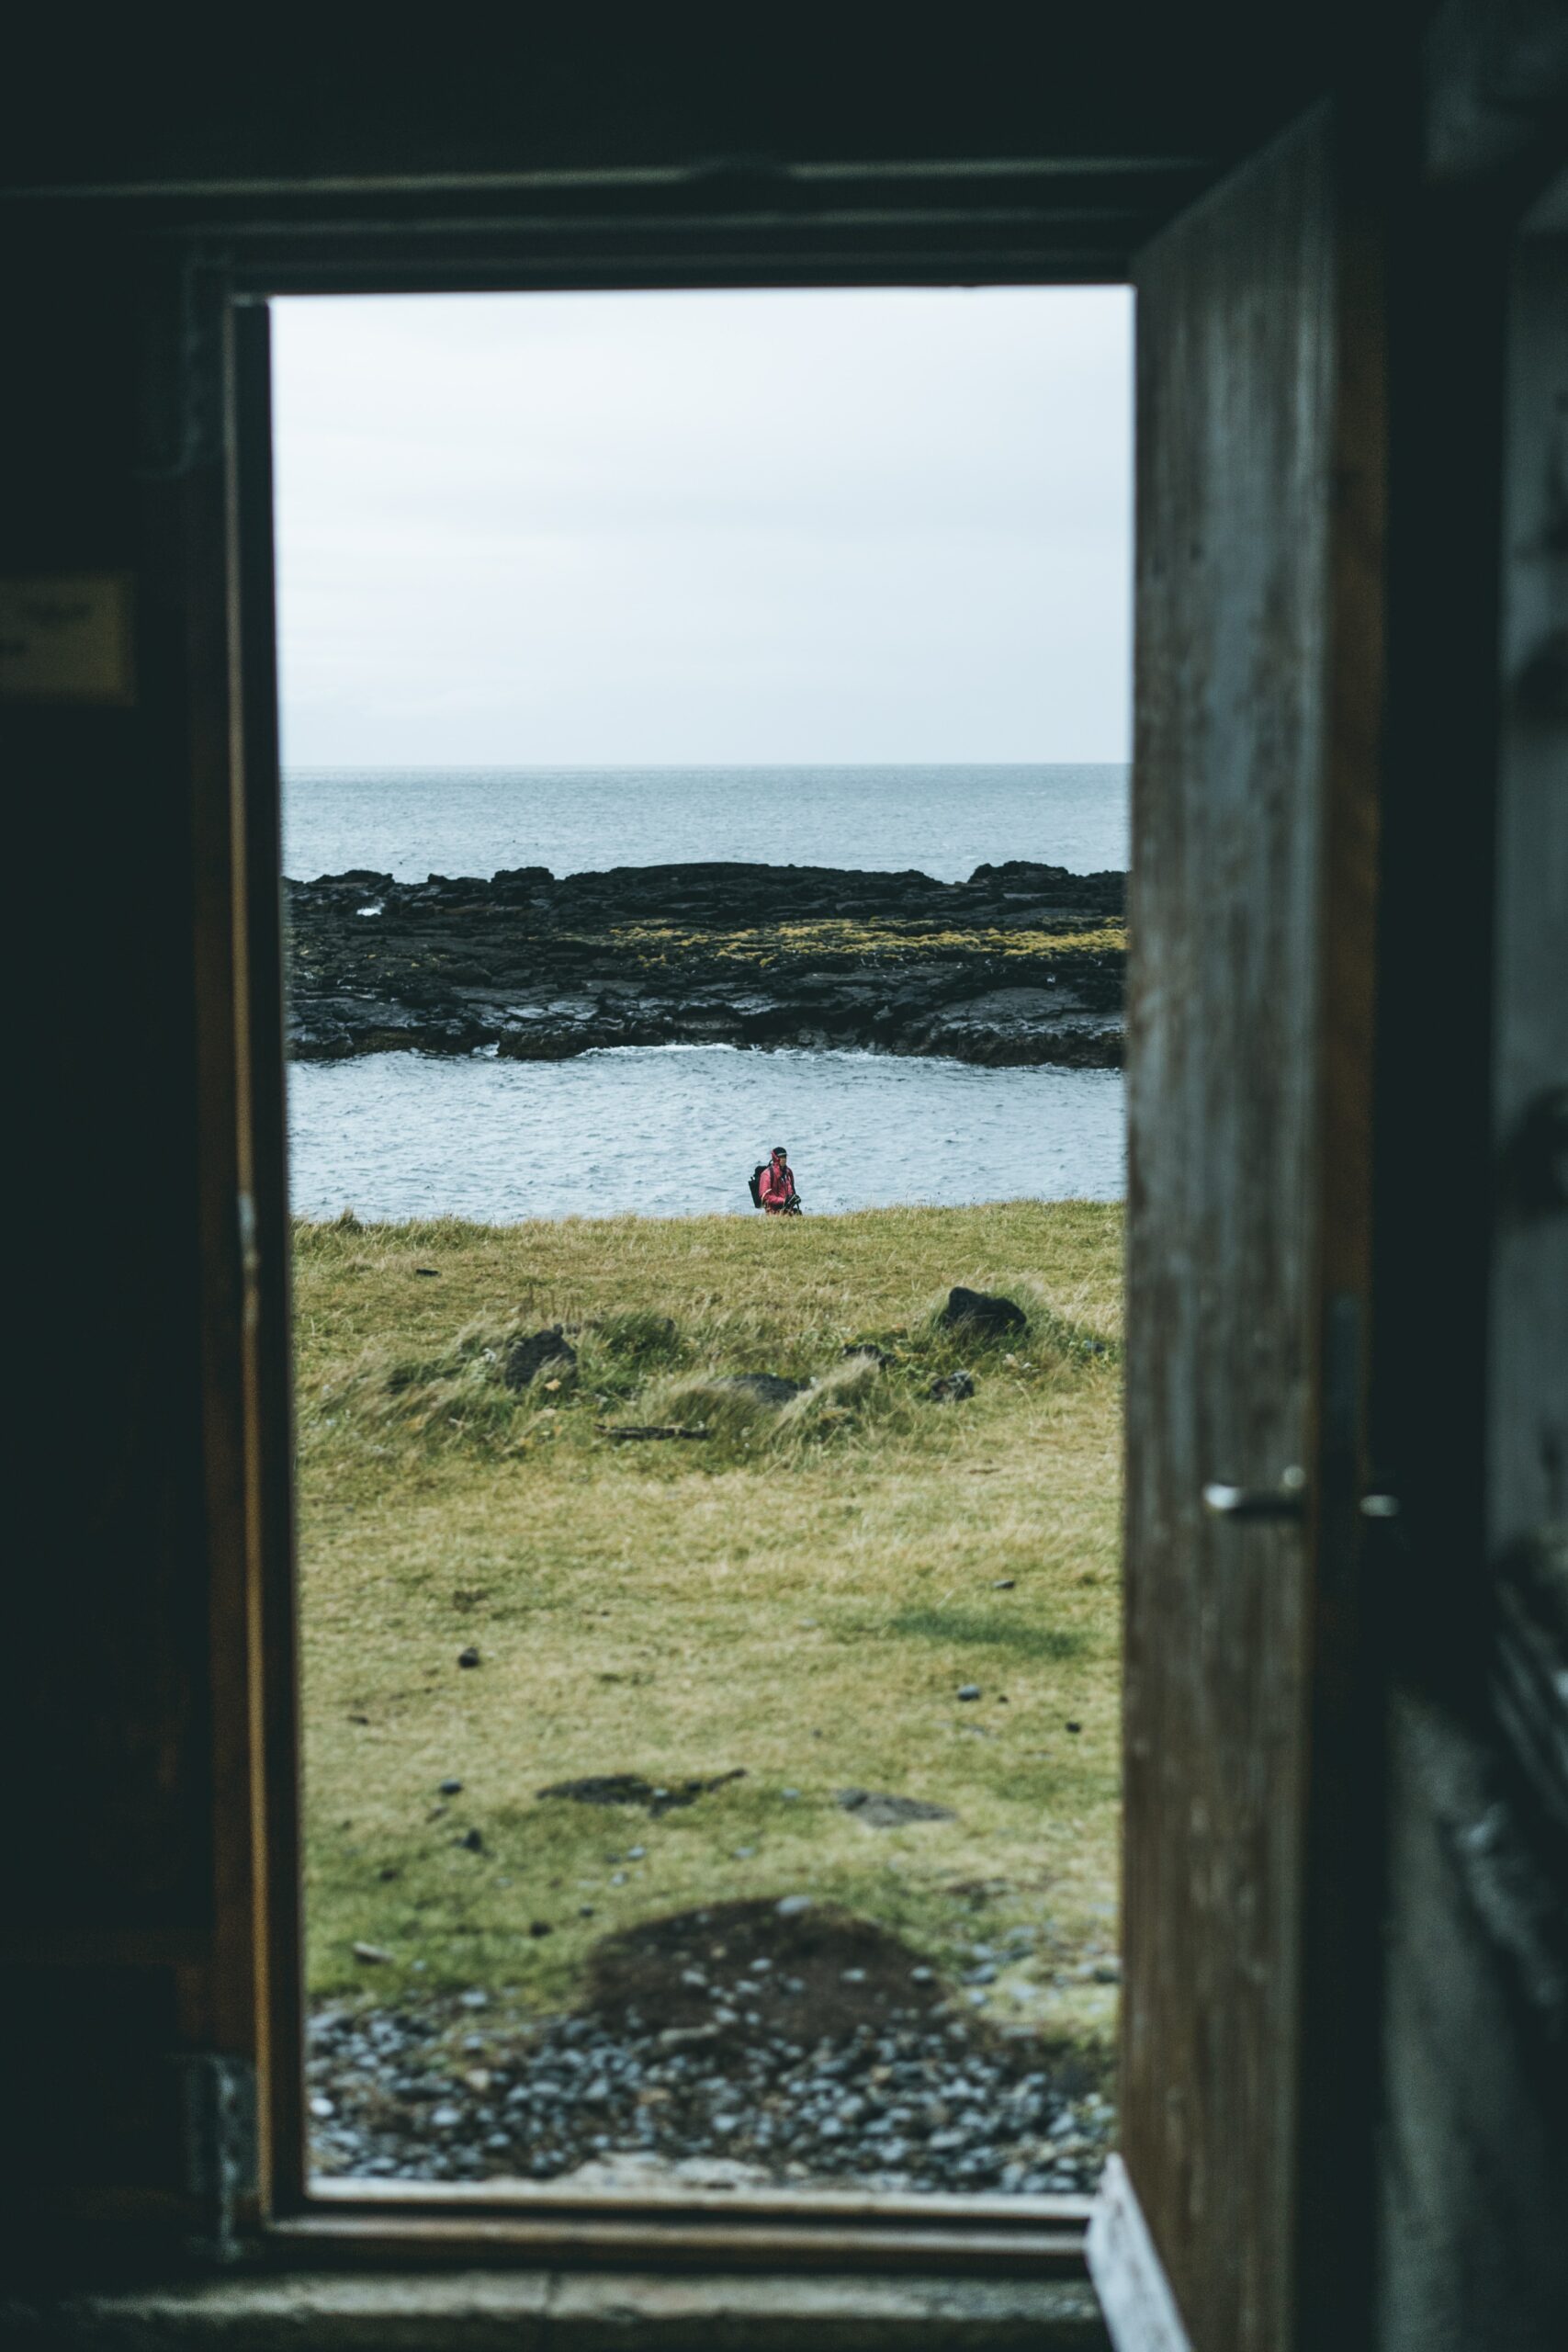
[{"x": 754, "y": 1183}]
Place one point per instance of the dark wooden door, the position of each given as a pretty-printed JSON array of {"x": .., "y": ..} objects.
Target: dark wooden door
[{"x": 1258, "y": 681}]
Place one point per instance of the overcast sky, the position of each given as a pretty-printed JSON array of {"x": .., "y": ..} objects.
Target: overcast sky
[{"x": 668, "y": 528}]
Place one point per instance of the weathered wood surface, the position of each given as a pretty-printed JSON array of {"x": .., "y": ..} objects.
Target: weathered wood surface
[{"x": 1258, "y": 485}]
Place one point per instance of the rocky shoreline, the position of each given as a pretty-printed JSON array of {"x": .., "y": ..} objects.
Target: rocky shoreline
[{"x": 1021, "y": 964}]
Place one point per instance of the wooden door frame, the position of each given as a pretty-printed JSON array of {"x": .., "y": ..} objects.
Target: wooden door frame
[
  {"x": 245, "y": 1306},
  {"x": 251, "y": 1419}
]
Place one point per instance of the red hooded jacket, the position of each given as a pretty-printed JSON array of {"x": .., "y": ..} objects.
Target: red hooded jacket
[{"x": 777, "y": 1187}]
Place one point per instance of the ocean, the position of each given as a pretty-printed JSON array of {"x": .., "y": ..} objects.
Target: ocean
[
  {"x": 943, "y": 820},
  {"x": 675, "y": 1131}
]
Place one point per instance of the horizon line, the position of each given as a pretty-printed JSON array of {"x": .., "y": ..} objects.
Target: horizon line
[{"x": 656, "y": 767}]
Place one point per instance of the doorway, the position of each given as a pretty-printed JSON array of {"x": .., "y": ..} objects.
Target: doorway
[{"x": 693, "y": 1797}]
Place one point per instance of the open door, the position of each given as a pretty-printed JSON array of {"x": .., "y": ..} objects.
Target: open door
[{"x": 1229, "y": 2222}]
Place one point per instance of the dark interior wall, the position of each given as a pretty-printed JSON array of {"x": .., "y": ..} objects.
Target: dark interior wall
[
  {"x": 223, "y": 100},
  {"x": 108, "y": 1704},
  {"x": 1473, "y": 1419}
]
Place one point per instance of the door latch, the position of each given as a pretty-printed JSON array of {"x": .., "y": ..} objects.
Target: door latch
[{"x": 1286, "y": 1501}]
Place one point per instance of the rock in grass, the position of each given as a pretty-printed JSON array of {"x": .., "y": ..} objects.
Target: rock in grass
[
  {"x": 968, "y": 1690},
  {"x": 890, "y": 1813},
  {"x": 370, "y": 1955},
  {"x": 951, "y": 1388},
  {"x": 768, "y": 1388},
  {"x": 472, "y": 1841},
  {"x": 630, "y": 1788},
  {"x": 451, "y": 1787},
  {"x": 645, "y": 1432},
  {"x": 469, "y": 1656},
  {"x": 526, "y": 1358},
  {"x": 977, "y": 1310}
]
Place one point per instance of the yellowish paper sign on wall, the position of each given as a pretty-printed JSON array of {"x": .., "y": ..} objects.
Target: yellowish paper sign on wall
[{"x": 67, "y": 638}]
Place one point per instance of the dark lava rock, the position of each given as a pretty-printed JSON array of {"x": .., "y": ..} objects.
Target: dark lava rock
[
  {"x": 890, "y": 1813},
  {"x": 977, "y": 1311},
  {"x": 469, "y": 1656},
  {"x": 952, "y": 1387},
  {"x": 1014, "y": 967},
  {"x": 525, "y": 1359},
  {"x": 630, "y": 1788}
]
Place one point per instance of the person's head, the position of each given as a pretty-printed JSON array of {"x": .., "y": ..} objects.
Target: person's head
[{"x": 779, "y": 1152}]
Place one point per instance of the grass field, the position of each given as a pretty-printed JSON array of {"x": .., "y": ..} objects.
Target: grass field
[{"x": 797, "y": 1595}]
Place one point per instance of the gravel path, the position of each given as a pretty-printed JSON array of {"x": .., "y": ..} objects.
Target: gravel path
[{"x": 456, "y": 2088}]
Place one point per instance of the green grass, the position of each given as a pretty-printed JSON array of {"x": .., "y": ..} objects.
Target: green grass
[{"x": 800, "y": 1592}]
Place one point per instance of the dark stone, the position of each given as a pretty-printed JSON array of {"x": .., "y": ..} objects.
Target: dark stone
[
  {"x": 469, "y": 1656},
  {"x": 630, "y": 1788},
  {"x": 472, "y": 1840},
  {"x": 526, "y": 1358},
  {"x": 977, "y": 1311},
  {"x": 451, "y": 1787},
  {"x": 541, "y": 969},
  {"x": 768, "y": 1388},
  {"x": 890, "y": 1813},
  {"x": 648, "y": 1433}
]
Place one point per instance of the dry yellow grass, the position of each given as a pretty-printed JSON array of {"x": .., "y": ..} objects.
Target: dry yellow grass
[
  {"x": 861, "y": 941},
  {"x": 799, "y": 1596}
]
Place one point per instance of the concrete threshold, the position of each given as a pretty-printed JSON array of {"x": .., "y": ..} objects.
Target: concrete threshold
[{"x": 500, "y": 2311}]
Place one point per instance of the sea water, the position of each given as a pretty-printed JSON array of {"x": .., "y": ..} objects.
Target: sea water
[
  {"x": 676, "y": 1130},
  {"x": 943, "y": 820}
]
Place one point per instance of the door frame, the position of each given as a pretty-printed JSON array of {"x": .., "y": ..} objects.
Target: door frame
[
  {"x": 246, "y": 1312},
  {"x": 259, "y": 1742}
]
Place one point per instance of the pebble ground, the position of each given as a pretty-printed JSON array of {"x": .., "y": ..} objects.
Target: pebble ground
[{"x": 454, "y": 2088}]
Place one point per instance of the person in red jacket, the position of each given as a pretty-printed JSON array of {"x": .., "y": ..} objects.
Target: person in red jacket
[{"x": 778, "y": 1184}]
